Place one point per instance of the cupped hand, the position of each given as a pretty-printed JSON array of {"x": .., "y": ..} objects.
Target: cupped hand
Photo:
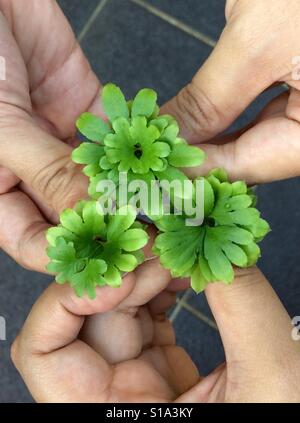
[
  {"x": 258, "y": 48},
  {"x": 127, "y": 353},
  {"x": 49, "y": 83},
  {"x": 68, "y": 352}
]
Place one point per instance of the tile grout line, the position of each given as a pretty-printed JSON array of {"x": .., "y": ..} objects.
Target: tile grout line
[
  {"x": 176, "y": 22},
  {"x": 199, "y": 315},
  {"x": 87, "y": 26},
  {"x": 178, "y": 306}
]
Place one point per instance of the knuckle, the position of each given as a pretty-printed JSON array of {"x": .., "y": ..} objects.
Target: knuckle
[
  {"x": 200, "y": 113},
  {"x": 60, "y": 183},
  {"x": 25, "y": 255}
]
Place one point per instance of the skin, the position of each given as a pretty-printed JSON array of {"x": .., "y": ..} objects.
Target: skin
[
  {"x": 255, "y": 51},
  {"x": 121, "y": 347},
  {"x": 41, "y": 99},
  {"x": 39, "y": 103}
]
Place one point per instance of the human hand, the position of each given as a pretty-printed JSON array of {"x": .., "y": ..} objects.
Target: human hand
[
  {"x": 67, "y": 353},
  {"x": 127, "y": 353},
  {"x": 49, "y": 83},
  {"x": 256, "y": 50}
]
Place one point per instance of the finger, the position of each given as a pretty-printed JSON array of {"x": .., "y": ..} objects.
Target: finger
[
  {"x": 202, "y": 392},
  {"x": 22, "y": 234},
  {"x": 254, "y": 326},
  {"x": 58, "y": 315},
  {"x": 48, "y": 349},
  {"x": 177, "y": 285},
  {"x": 42, "y": 162},
  {"x": 172, "y": 363},
  {"x": 59, "y": 95},
  {"x": 273, "y": 141},
  {"x": 152, "y": 279},
  {"x": 223, "y": 87},
  {"x": 161, "y": 304},
  {"x": 7, "y": 180},
  {"x": 118, "y": 335},
  {"x": 47, "y": 211},
  {"x": 274, "y": 108}
]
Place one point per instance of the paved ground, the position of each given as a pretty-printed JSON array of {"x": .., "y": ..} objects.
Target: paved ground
[{"x": 138, "y": 43}]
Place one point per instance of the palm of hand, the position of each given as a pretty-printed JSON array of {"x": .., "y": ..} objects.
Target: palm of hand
[{"x": 159, "y": 372}]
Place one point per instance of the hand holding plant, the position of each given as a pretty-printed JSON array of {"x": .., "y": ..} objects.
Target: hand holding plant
[
  {"x": 120, "y": 347},
  {"x": 258, "y": 49},
  {"x": 145, "y": 145}
]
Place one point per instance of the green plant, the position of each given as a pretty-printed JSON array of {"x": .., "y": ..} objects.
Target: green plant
[
  {"x": 135, "y": 140},
  {"x": 228, "y": 236},
  {"x": 89, "y": 248}
]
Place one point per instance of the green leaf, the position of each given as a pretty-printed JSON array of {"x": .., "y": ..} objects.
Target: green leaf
[
  {"x": 170, "y": 223},
  {"x": 209, "y": 196},
  {"x": 71, "y": 221},
  {"x": 113, "y": 277},
  {"x": 105, "y": 164},
  {"x": 198, "y": 281},
  {"x": 144, "y": 103},
  {"x": 91, "y": 170},
  {"x": 245, "y": 217},
  {"x": 171, "y": 132},
  {"x": 253, "y": 253},
  {"x": 214, "y": 182},
  {"x": 186, "y": 156},
  {"x": 231, "y": 233},
  {"x": 133, "y": 239},
  {"x": 160, "y": 123},
  {"x": 88, "y": 153},
  {"x": 220, "y": 174},
  {"x": 92, "y": 127},
  {"x": 224, "y": 191},
  {"x": 218, "y": 262},
  {"x": 114, "y": 103},
  {"x": 239, "y": 188},
  {"x": 171, "y": 174},
  {"x": 239, "y": 202},
  {"x": 235, "y": 254},
  {"x": 120, "y": 222},
  {"x": 167, "y": 240},
  {"x": 93, "y": 187},
  {"x": 58, "y": 231},
  {"x": 63, "y": 251},
  {"x": 259, "y": 228},
  {"x": 89, "y": 278},
  {"x": 205, "y": 269},
  {"x": 161, "y": 149},
  {"x": 63, "y": 261},
  {"x": 155, "y": 112},
  {"x": 93, "y": 218},
  {"x": 126, "y": 262}
]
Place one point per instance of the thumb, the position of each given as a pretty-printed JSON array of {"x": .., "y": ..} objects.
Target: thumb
[
  {"x": 57, "y": 317},
  {"x": 222, "y": 89},
  {"x": 254, "y": 326}
]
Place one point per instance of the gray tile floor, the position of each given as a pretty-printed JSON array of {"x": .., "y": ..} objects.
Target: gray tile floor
[{"x": 161, "y": 44}]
